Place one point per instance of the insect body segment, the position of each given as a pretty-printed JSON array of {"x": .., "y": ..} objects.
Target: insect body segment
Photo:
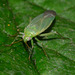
[
  {"x": 38, "y": 25},
  {"x": 28, "y": 36}
]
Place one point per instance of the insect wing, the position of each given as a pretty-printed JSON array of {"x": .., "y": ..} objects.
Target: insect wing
[{"x": 41, "y": 23}]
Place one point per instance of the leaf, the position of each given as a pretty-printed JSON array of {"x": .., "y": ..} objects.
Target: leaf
[
  {"x": 14, "y": 17},
  {"x": 64, "y": 7}
]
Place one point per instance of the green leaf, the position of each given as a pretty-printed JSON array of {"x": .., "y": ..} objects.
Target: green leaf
[{"x": 15, "y": 16}]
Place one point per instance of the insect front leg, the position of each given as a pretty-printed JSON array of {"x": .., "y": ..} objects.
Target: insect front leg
[
  {"x": 41, "y": 46},
  {"x": 31, "y": 49},
  {"x": 32, "y": 43},
  {"x": 13, "y": 42}
]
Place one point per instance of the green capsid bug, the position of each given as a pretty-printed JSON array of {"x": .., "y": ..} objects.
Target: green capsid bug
[{"x": 38, "y": 25}]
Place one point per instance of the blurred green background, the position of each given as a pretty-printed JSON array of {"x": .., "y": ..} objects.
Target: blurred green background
[{"x": 61, "y": 52}]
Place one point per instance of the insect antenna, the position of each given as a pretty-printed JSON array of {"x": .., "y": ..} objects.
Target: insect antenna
[{"x": 27, "y": 44}]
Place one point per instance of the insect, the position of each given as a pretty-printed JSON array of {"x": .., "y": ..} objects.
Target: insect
[{"x": 38, "y": 25}]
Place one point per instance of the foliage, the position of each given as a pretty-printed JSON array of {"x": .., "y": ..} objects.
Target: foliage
[{"x": 61, "y": 52}]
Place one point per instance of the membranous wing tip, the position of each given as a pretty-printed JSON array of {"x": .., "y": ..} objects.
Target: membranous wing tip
[{"x": 51, "y": 12}]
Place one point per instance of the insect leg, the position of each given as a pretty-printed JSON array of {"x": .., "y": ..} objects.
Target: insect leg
[
  {"x": 61, "y": 35},
  {"x": 31, "y": 49},
  {"x": 47, "y": 34},
  {"x": 14, "y": 41},
  {"x": 51, "y": 33},
  {"x": 32, "y": 43},
  {"x": 27, "y": 44},
  {"x": 41, "y": 46}
]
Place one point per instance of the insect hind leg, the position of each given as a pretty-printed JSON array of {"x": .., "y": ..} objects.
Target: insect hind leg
[
  {"x": 52, "y": 33},
  {"x": 61, "y": 35}
]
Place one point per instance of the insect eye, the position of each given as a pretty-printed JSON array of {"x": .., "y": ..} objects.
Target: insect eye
[{"x": 28, "y": 38}]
